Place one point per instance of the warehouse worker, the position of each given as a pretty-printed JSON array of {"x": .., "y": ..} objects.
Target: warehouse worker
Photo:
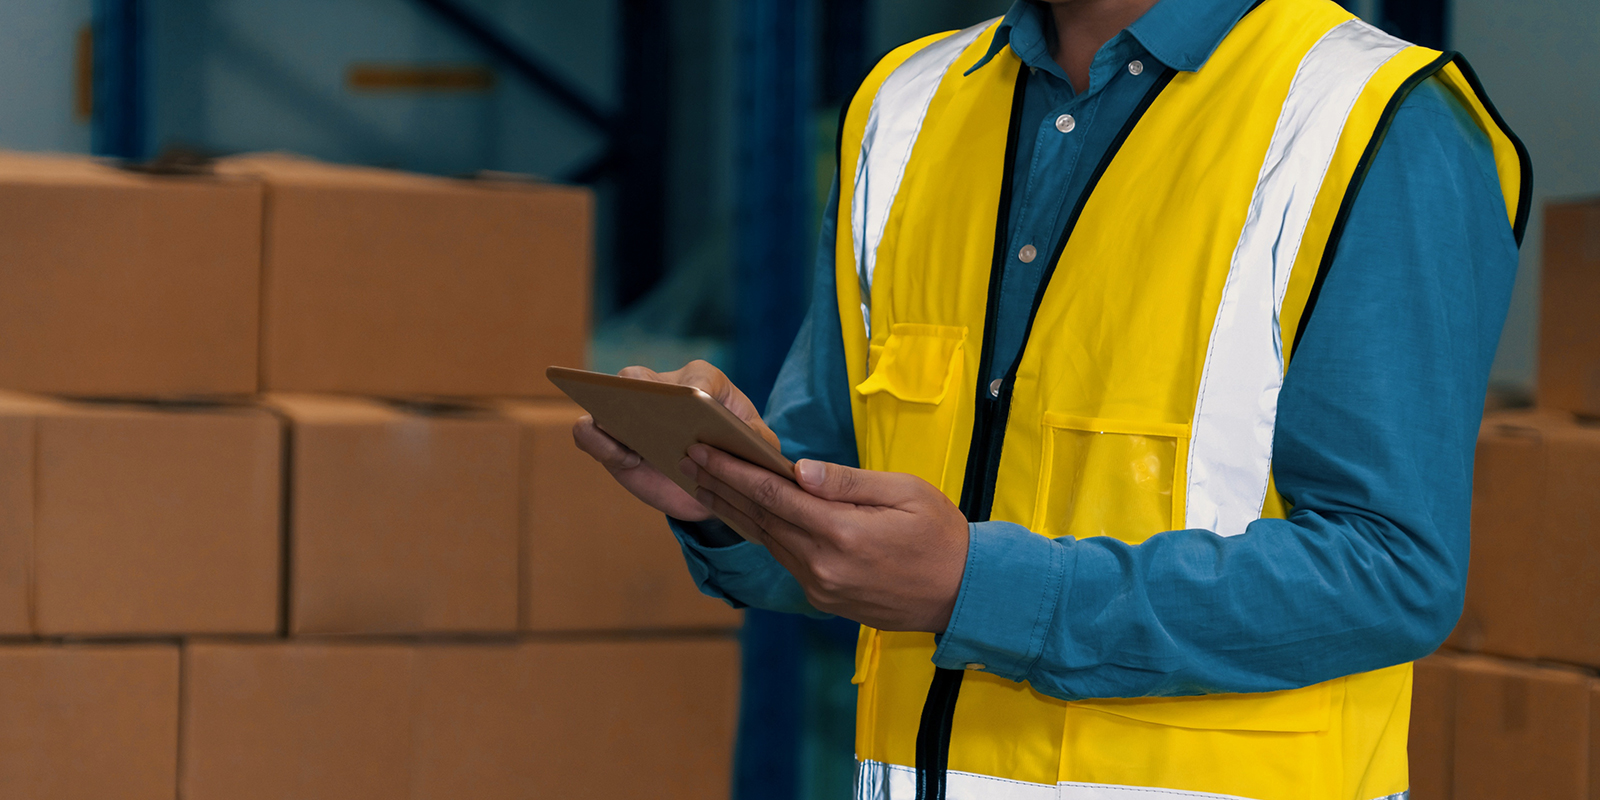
[{"x": 1136, "y": 403}]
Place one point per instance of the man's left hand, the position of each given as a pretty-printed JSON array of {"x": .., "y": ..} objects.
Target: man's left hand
[{"x": 885, "y": 549}]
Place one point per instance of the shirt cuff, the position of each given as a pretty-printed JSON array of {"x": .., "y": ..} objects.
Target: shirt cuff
[
  {"x": 711, "y": 534},
  {"x": 1007, "y": 601},
  {"x": 712, "y": 564}
]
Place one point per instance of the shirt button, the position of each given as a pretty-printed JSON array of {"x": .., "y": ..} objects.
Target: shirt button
[
  {"x": 975, "y": 665},
  {"x": 1135, "y": 67},
  {"x": 994, "y": 391},
  {"x": 1065, "y": 123},
  {"x": 1027, "y": 254}
]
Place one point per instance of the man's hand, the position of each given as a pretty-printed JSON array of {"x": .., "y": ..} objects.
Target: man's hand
[
  {"x": 646, "y": 482},
  {"x": 882, "y": 548}
]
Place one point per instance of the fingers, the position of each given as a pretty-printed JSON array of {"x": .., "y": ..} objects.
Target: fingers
[
  {"x": 642, "y": 374},
  {"x": 597, "y": 443},
  {"x": 731, "y": 513},
  {"x": 707, "y": 378},
  {"x": 762, "y": 494},
  {"x": 784, "y": 540},
  {"x": 714, "y": 382},
  {"x": 843, "y": 484}
]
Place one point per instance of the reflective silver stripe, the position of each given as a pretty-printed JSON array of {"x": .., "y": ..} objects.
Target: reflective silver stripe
[
  {"x": 878, "y": 781},
  {"x": 1230, "y": 452},
  {"x": 893, "y": 123}
]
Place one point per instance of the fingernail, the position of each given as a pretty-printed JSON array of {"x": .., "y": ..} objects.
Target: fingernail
[
  {"x": 631, "y": 460},
  {"x": 688, "y": 468},
  {"x": 699, "y": 453},
  {"x": 811, "y": 472}
]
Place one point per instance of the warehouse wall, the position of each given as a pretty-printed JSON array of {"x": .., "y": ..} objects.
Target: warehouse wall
[
  {"x": 1537, "y": 60},
  {"x": 237, "y": 75},
  {"x": 38, "y": 40}
]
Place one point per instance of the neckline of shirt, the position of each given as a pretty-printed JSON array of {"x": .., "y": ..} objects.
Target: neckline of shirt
[{"x": 1181, "y": 34}]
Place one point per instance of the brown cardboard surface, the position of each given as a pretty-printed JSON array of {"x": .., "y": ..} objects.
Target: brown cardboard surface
[
  {"x": 18, "y": 423},
  {"x": 1569, "y": 579},
  {"x": 590, "y": 719},
  {"x": 576, "y": 720},
  {"x": 400, "y": 521},
  {"x": 593, "y": 556},
  {"x": 1569, "y": 328},
  {"x": 113, "y": 283},
  {"x": 305, "y": 721},
  {"x": 396, "y": 285},
  {"x": 1432, "y": 739},
  {"x": 1502, "y": 604},
  {"x": 1594, "y": 740},
  {"x": 1521, "y": 731},
  {"x": 88, "y": 722},
  {"x": 157, "y": 520}
]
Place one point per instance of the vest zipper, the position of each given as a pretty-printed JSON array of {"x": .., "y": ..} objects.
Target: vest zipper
[
  {"x": 990, "y": 415},
  {"x": 939, "y": 710},
  {"x": 983, "y": 461}
]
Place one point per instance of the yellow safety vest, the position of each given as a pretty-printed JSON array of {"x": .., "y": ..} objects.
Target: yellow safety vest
[{"x": 1145, "y": 403}]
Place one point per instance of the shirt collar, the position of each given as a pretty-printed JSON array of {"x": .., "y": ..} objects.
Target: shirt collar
[{"x": 1181, "y": 34}]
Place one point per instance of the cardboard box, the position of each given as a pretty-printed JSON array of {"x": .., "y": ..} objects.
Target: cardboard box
[
  {"x": 1502, "y": 606},
  {"x": 593, "y": 556},
  {"x": 124, "y": 520},
  {"x": 114, "y": 283},
  {"x": 401, "y": 520},
  {"x": 1521, "y": 731},
  {"x": 1594, "y": 740},
  {"x": 18, "y": 423},
  {"x": 644, "y": 718},
  {"x": 303, "y": 721},
  {"x": 577, "y": 719},
  {"x": 1569, "y": 327},
  {"x": 88, "y": 722},
  {"x": 396, "y": 285},
  {"x": 1432, "y": 740},
  {"x": 1569, "y": 578}
]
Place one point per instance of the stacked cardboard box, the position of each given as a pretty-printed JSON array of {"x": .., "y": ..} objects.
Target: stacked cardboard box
[
  {"x": 1486, "y": 728},
  {"x": 118, "y": 284},
  {"x": 1569, "y": 345},
  {"x": 1511, "y": 708},
  {"x": 287, "y": 508}
]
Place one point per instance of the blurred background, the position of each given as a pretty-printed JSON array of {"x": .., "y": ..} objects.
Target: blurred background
[{"x": 704, "y": 128}]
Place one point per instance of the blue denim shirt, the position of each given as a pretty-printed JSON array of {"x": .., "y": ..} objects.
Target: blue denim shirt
[{"x": 1377, "y": 422}]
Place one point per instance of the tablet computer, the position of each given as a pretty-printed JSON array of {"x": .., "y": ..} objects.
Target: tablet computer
[{"x": 659, "y": 421}]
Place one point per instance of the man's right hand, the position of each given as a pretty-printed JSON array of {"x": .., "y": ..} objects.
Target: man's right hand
[{"x": 646, "y": 482}]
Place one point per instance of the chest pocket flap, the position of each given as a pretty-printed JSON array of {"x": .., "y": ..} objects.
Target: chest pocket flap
[
  {"x": 912, "y": 395},
  {"x": 917, "y": 363}
]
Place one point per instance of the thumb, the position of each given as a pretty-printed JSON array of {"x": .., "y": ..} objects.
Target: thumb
[{"x": 848, "y": 485}]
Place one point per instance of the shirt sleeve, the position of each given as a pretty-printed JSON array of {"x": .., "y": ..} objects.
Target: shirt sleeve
[
  {"x": 809, "y": 410},
  {"x": 1377, "y": 422}
]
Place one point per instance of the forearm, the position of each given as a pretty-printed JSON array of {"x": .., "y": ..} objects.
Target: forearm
[{"x": 1289, "y": 603}]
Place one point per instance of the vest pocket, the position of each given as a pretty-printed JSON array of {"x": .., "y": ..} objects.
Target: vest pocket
[
  {"x": 1105, "y": 477},
  {"x": 911, "y": 397}
]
